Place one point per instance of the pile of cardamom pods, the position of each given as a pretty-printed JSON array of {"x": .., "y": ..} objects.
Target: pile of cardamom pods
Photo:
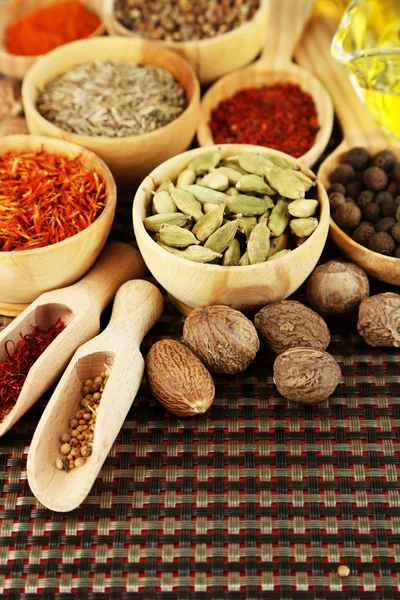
[{"x": 241, "y": 210}]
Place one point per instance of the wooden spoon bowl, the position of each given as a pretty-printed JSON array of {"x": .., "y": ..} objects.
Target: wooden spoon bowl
[
  {"x": 131, "y": 158},
  {"x": 12, "y": 10},
  {"x": 286, "y": 22}
]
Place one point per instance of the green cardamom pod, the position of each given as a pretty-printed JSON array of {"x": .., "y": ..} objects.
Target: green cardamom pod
[
  {"x": 215, "y": 181},
  {"x": 286, "y": 182},
  {"x": 248, "y": 206},
  {"x": 193, "y": 253},
  {"x": 205, "y": 162},
  {"x": 247, "y": 225},
  {"x": 244, "y": 261},
  {"x": 278, "y": 243},
  {"x": 308, "y": 181},
  {"x": 186, "y": 177},
  {"x": 163, "y": 203},
  {"x": 232, "y": 191},
  {"x": 279, "y": 254},
  {"x": 219, "y": 240},
  {"x": 231, "y": 174},
  {"x": 279, "y": 161},
  {"x": 254, "y": 163},
  {"x": 232, "y": 163},
  {"x": 208, "y": 207},
  {"x": 204, "y": 194},
  {"x": 279, "y": 218},
  {"x": 231, "y": 256},
  {"x": 155, "y": 222},
  {"x": 209, "y": 223},
  {"x": 253, "y": 184},
  {"x": 164, "y": 185},
  {"x": 303, "y": 208},
  {"x": 172, "y": 235},
  {"x": 301, "y": 241},
  {"x": 258, "y": 244},
  {"x": 303, "y": 227},
  {"x": 264, "y": 216},
  {"x": 186, "y": 202}
]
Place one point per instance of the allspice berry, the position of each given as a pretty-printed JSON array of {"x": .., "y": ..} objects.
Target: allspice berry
[
  {"x": 363, "y": 232},
  {"x": 358, "y": 158},
  {"x": 383, "y": 196},
  {"x": 393, "y": 188},
  {"x": 396, "y": 172},
  {"x": 381, "y": 242},
  {"x": 395, "y": 232},
  {"x": 397, "y": 252},
  {"x": 353, "y": 188},
  {"x": 385, "y": 224},
  {"x": 336, "y": 199},
  {"x": 348, "y": 216},
  {"x": 389, "y": 208},
  {"x": 372, "y": 212},
  {"x": 336, "y": 288},
  {"x": 288, "y": 324},
  {"x": 398, "y": 213},
  {"x": 379, "y": 320},
  {"x": 364, "y": 198},
  {"x": 336, "y": 187},
  {"x": 375, "y": 179},
  {"x": 342, "y": 174},
  {"x": 306, "y": 375},
  {"x": 385, "y": 159}
]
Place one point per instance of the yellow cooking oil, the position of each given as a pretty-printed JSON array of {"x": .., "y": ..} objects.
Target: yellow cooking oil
[{"x": 367, "y": 43}]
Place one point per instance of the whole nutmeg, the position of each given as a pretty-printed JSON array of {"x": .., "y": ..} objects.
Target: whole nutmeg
[
  {"x": 337, "y": 288},
  {"x": 375, "y": 179},
  {"x": 342, "y": 174},
  {"x": 347, "y": 216},
  {"x": 306, "y": 375},
  {"x": 178, "y": 380},
  {"x": 363, "y": 232},
  {"x": 385, "y": 224},
  {"x": 379, "y": 320},
  {"x": 381, "y": 242},
  {"x": 222, "y": 338},
  {"x": 288, "y": 324}
]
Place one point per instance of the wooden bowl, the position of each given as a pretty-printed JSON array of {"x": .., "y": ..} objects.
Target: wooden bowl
[
  {"x": 194, "y": 284},
  {"x": 26, "y": 274},
  {"x": 131, "y": 158},
  {"x": 15, "y": 65},
  {"x": 214, "y": 57}
]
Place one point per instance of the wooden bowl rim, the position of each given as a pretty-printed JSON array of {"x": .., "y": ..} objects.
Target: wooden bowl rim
[
  {"x": 192, "y": 43},
  {"x": 84, "y": 140},
  {"x": 325, "y": 128},
  {"x": 84, "y": 153},
  {"x": 138, "y": 222}
]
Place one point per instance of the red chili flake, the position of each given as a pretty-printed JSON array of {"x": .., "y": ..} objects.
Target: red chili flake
[
  {"x": 15, "y": 368},
  {"x": 279, "y": 116}
]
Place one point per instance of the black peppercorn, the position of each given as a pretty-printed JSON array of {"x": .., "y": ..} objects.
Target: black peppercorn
[
  {"x": 393, "y": 188},
  {"x": 389, "y": 209},
  {"x": 363, "y": 232},
  {"x": 342, "y": 174},
  {"x": 358, "y": 158},
  {"x": 381, "y": 242},
  {"x": 375, "y": 179},
  {"x": 372, "y": 212},
  {"x": 364, "y": 198},
  {"x": 385, "y": 224},
  {"x": 384, "y": 196},
  {"x": 336, "y": 187},
  {"x": 396, "y": 172},
  {"x": 395, "y": 232},
  {"x": 347, "y": 216},
  {"x": 336, "y": 199},
  {"x": 354, "y": 188},
  {"x": 385, "y": 159}
]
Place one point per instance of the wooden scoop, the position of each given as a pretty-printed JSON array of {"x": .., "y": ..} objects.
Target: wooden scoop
[
  {"x": 137, "y": 307},
  {"x": 359, "y": 129},
  {"x": 286, "y": 22},
  {"x": 79, "y": 306}
]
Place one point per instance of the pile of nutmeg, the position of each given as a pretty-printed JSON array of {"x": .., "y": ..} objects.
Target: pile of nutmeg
[{"x": 220, "y": 339}]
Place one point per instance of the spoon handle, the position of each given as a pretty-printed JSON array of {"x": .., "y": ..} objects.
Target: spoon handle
[
  {"x": 286, "y": 21},
  {"x": 314, "y": 53}
]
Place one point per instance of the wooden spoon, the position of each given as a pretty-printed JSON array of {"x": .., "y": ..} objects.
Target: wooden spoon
[
  {"x": 285, "y": 25},
  {"x": 359, "y": 129},
  {"x": 137, "y": 307},
  {"x": 79, "y": 306}
]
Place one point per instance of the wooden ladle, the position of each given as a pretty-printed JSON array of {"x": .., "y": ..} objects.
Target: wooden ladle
[
  {"x": 137, "y": 307},
  {"x": 285, "y": 25},
  {"x": 79, "y": 306},
  {"x": 359, "y": 129}
]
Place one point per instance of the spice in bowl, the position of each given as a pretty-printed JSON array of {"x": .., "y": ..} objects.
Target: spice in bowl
[
  {"x": 48, "y": 27},
  {"x": 280, "y": 116},
  {"x": 365, "y": 199},
  {"x": 18, "y": 360},
  {"x": 243, "y": 210},
  {"x": 183, "y": 20},
  {"x": 112, "y": 99},
  {"x": 45, "y": 199}
]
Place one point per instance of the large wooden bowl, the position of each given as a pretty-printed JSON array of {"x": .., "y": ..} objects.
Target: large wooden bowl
[
  {"x": 214, "y": 57},
  {"x": 26, "y": 274},
  {"x": 15, "y": 65},
  {"x": 131, "y": 158},
  {"x": 193, "y": 284}
]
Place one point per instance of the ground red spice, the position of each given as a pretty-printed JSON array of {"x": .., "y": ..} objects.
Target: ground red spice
[{"x": 280, "y": 116}]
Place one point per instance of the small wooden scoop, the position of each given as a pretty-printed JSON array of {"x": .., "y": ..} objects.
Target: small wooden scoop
[
  {"x": 285, "y": 25},
  {"x": 138, "y": 305},
  {"x": 79, "y": 306},
  {"x": 359, "y": 129}
]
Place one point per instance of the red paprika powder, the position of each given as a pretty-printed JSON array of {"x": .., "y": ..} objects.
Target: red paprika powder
[{"x": 280, "y": 116}]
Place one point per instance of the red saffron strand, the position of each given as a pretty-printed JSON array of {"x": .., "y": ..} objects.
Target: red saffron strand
[{"x": 19, "y": 358}]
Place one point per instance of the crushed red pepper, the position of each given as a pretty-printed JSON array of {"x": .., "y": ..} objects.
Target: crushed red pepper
[
  {"x": 280, "y": 116},
  {"x": 46, "y": 198}
]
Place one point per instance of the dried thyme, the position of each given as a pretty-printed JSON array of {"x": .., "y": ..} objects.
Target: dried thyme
[{"x": 112, "y": 99}]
